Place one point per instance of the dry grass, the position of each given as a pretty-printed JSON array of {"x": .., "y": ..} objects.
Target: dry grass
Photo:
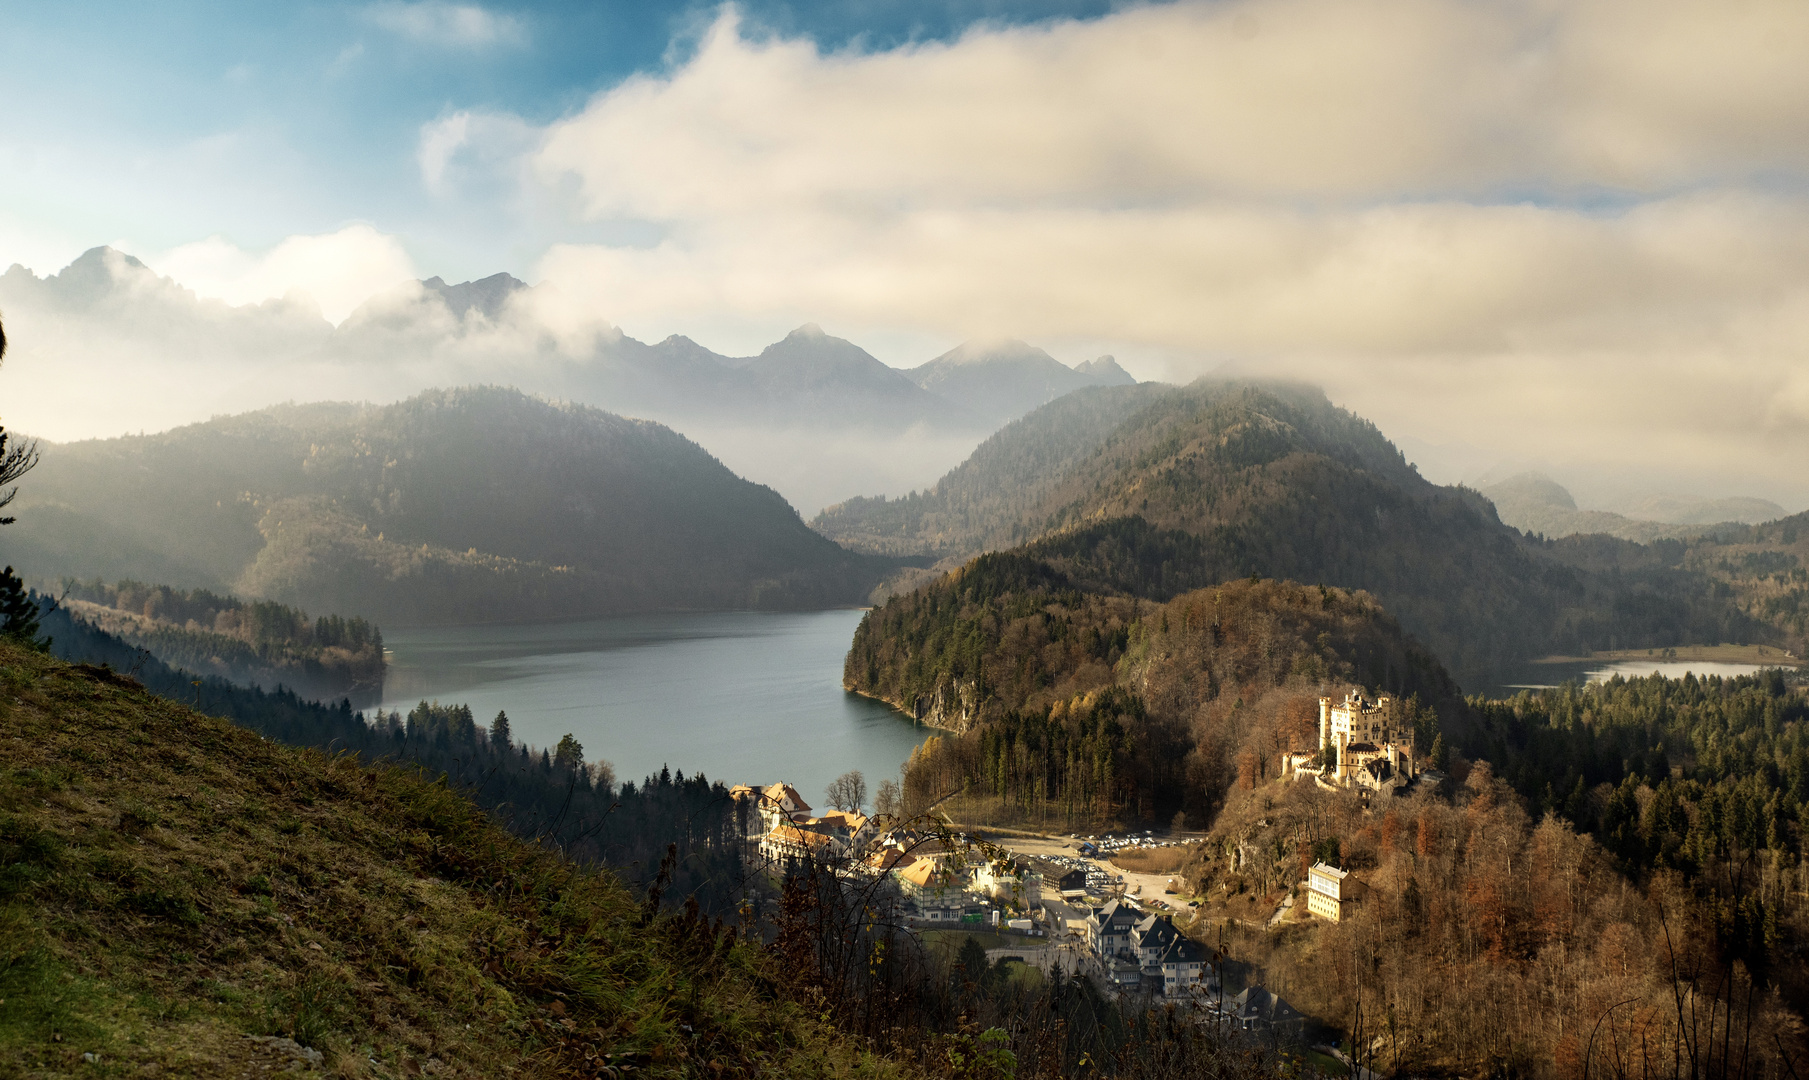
[{"x": 1165, "y": 860}]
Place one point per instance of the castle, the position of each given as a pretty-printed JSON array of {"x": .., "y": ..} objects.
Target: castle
[{"x": 1366, "y": 750}]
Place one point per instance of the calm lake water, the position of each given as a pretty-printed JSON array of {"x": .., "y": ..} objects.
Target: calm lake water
[
  {"x": 1538, "y": 676},
  {"x": 744, "y": 697}
]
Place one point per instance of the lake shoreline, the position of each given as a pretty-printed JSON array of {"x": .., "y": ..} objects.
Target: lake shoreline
[{"x": 1761, "y": 655}]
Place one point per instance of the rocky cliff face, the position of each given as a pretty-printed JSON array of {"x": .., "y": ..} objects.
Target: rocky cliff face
[{"x": 951, "y": 706}]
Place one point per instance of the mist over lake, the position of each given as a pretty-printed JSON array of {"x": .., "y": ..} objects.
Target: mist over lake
[{"x": 744, "y": 697}]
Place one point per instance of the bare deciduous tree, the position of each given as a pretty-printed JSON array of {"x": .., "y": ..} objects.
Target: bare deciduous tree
[
  {"x": 848, "y": 791},
  {"x": 889, "y": 799}
]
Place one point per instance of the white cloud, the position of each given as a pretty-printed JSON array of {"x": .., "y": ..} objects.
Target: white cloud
[
  {"x": 1328, "y": 99},
  {"x": 1575, "y": 223},
  {"x": 440, "y": 140},
  {"x": 475, "y": 149},
  {"x": 337, "y": 271},
  {"x": 444, "y": 25}
]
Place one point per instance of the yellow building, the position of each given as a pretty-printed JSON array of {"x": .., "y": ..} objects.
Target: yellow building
[{"x": 1330, "y": 890}]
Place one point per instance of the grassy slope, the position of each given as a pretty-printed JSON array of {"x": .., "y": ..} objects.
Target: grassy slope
[{"x": 170, "y": 883}]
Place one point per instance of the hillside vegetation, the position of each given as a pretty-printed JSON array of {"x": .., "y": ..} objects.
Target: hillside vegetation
[
  {"x": 1494, "y": 941},
  {"x": 1704, "y": 778},
  {"x": 171, "y": 883},
  {"x": 259, "y": 642},
  {"x": 554, "y": 795},
  {"x": 1070, "y": 707},
  {"x": 467, "y": 505},
  {"x": 1157, "y": 491}
]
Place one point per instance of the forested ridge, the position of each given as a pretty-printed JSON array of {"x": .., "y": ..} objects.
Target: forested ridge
[
  {"x": 1162, "y": 490},
  {"x": 1763, "y": 569},
  {"x": 988, "y": 500},
  {"x": 470, "y": 505},
  {"x": 258, "y": 641}
]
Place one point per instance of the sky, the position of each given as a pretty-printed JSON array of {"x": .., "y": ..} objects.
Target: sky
[{"x": 1569, "y": 235}]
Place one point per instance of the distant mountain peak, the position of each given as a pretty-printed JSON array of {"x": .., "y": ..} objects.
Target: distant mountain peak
[
  {"x": 809, "y": 331},
  {"x": 1104, "y": 371},
  {"x": 488, "y": 295},
  {"x": 1530, "y": 488},
  {"x": 101, "y": 256},
  {"x": 991, "y": 350}
]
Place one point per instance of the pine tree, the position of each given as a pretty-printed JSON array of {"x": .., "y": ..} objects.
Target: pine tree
[
  {"x": 500, "y": 735},
  {"x": 19, "y": 613},
  {"x": 18, "y": 608}
]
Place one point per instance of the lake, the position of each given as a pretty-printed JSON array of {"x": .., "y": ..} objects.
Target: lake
[
  {"x": 744, "y": 697},
  {"x": 1542, "y": 676}
]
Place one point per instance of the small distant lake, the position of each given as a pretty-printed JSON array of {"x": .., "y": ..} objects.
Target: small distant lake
[
  {"x": 1539, "y": 676},
  {"x": 744, "y": 697}
]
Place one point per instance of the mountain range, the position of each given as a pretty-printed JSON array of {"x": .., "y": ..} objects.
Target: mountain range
[
  {"x": 1151, "y": 491},
  {"x": 147, "y": 348},
  {"x": 1535, "y": 503},
  {"x": 471, "y": 505}
]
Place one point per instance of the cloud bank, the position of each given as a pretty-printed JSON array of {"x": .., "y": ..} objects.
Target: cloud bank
[
  {"x": 335, "y": 271},
  {"x": 1580, "y": 224}
]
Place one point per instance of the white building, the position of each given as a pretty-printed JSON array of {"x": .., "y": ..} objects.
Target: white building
[{"x": 1330, "y": 892}]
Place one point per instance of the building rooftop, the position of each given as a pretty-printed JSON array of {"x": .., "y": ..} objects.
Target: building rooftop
[
  {"x": 780, "y": 792},
  {"x": 925, "y": 872}
]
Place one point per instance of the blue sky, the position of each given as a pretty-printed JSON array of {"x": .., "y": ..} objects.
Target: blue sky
[{"x": 157, "y": 124}]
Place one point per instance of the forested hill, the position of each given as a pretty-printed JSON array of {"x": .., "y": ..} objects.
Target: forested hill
[
  {"x": 1765, "y": 568},
  {"x": 260, "y": 642},
  {"x": 462, "y": 505},
  {"x": 994, "y": 499},
  {"x": 1076, "y": 707},
  {"x": 1154, "y": 491}
]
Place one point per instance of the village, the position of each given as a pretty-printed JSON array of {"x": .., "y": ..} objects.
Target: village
[{"x": 1061, "y": 903}]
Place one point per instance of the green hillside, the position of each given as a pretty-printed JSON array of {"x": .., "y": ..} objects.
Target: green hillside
[
  {"x": 455, "y": 506},
  {"x": 176, "y": 894},
  {"x": 1154, "y": 491}
]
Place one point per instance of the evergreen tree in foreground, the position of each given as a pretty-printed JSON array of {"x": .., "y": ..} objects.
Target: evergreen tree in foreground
[{"x": 18, "y": 612}]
